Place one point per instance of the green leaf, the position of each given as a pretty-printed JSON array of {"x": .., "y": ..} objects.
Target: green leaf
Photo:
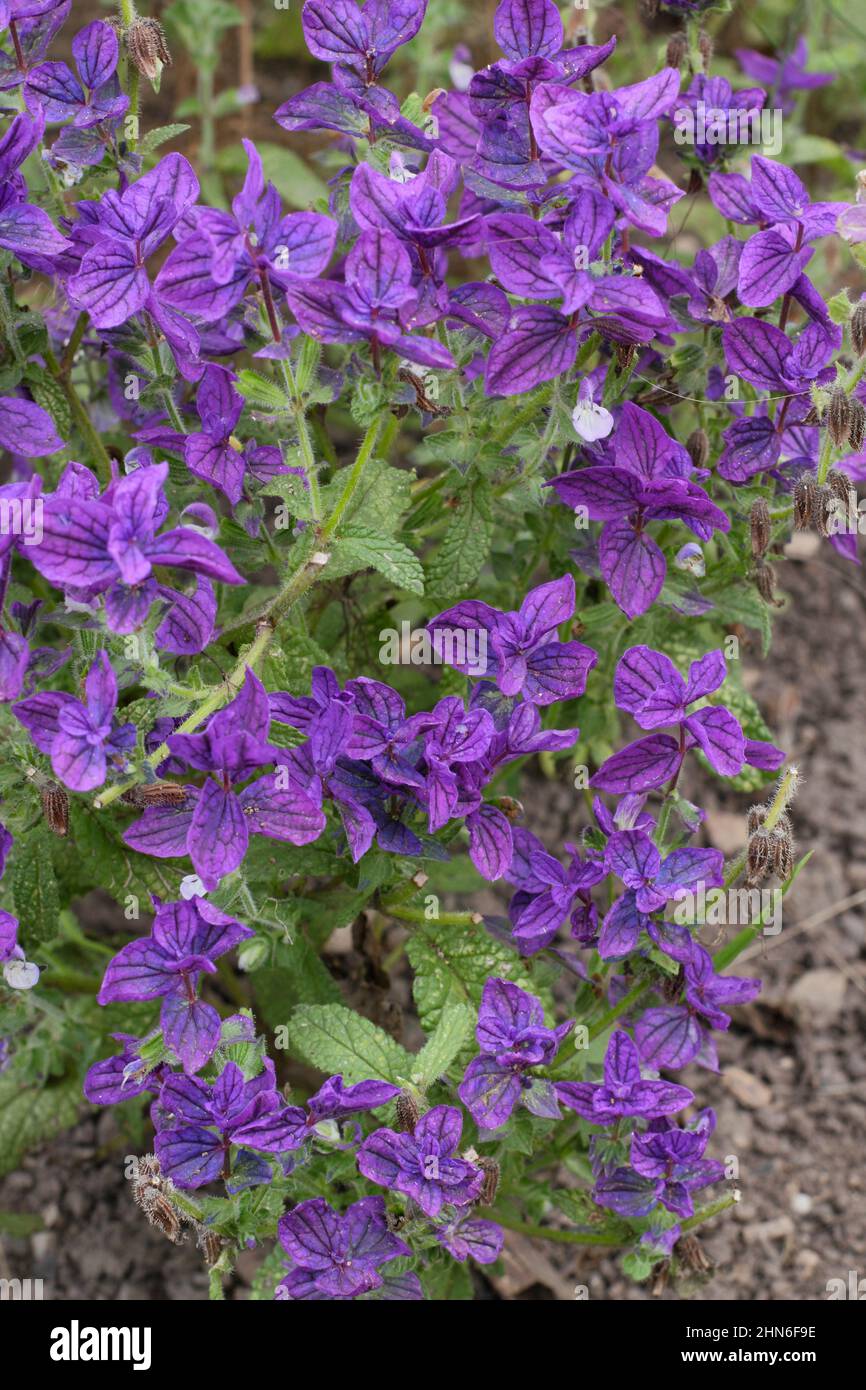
[
  {"x": 47, "y": 393},
  {"x": 465, "y": 547},
  {"x": 20, "y": 1224},
  {"x": 446, "y": 1281},
  {"x": 452, "y": 1032},
  {"x": 456, "y": 962},
  {"x": 294, "y": 179},
  {"x": 100, "y": 859},
  {"x": 258, "y": 391},
  {"x": 160, "y": 135},
  {"x": 335, "y": 1039},
  {"x": 361, "y": 548},
  {"x": 299, "y": 977},
  {"x": 31, "y": 1115},
  {"x": 34, "y": 888}
]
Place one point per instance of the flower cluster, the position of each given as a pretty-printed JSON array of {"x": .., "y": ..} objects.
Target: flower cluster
[{"x": 195, "y": 563}]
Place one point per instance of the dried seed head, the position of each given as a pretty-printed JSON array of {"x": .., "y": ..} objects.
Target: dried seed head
[
  {"x": 55, "y": 808},
  {"x": 812, "y": 417},
  {"x": 839, "y": 416},
  {"x": 407, "y": 1113},
  {"x": 761, "y": 527},
  {"x": 765, "y": 582},
  {"x": 147, "y": 48},
  {"x": 858, "y": 328},
  {"x": 705, "y": 48},
  {"x": 678, "y": 47},
  {"x": 757, "y": 816},
  {"x": 759, "y": 857},
  {"x": 210, "y": 1245},
  {"x": 698, "y": 446},
  {"x": 840, "y": 486},
  {"x": 805, "y": 500},
  {"x": 691, "y": 1252},
  {"x": 857, "y": 428},
  {"x": 510, "y": 808},
  {"x": 490, "y": 1186},
  {"x": 155, "y": 794},
  {"x": 161, "y": 1214},
  {"x": 624, "y": 354},
  {"x": 782, "y": 849},
  {"x": 826, "y": 511}
]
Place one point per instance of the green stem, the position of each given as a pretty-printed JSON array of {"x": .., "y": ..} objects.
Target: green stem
[
  {"x": 98, "y": 452},
  {"x": 305, "y": 439},
  {"x": 553, "y": 1233},
  {"x": 368, "y": 444},
  {"x": 602, "y": 1024},
  {"x": 522, "y": 417},
  {"x": 166, "y": 396},
  {"x": 417, "y": 916}
]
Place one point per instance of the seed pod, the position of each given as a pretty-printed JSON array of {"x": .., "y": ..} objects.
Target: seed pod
[
  {"x": 858, "y": 328},
  {"x": 161, "y": 1214},
  {"x": 840, "y": 487},
  {"x": 407, "y": 1113},
  {"x": 757, "y": 816},
  {"x": 678, "y": 47},
  {"x": 758, "y": 857},
  {"x": 210, "y": 1245},
  {"x": 811, "y": 417},
  {"x": 147, "y": 48},
  {"x": 691, "y": 1252},
  {"x": 783, "y": 825},
  {"x": 765, "y": 582},
  {"x": 761, "y": 527},
  {"x": 490, "y": 1186},
  {"x": 839, "y": 416},
  {"x": 155, "y": 794},
  {"x": 825, "y": 510},
  {"x": 624, "y": 354},
  {"x": 698, "y": 447},
  {"x": 705, "y": 48},
  {"x": 805, "y": 498},
  {"x": 782, "y": 854},
  {"x": 55, "y": 808},
  {"x": 857, "y": 428}
]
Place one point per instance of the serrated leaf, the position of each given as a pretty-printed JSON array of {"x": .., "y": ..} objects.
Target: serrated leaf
[
  {"x": 446, "y": 1281},
  {"x": 361, "y": 548},
  {"x": 160, "y": 135},
  {"x": 101, "y": 860},
  {"x": 455, "y": 962},
  {"x": 465, "y": 546},
  {"x": 31, "y": 1115},
  {"x": 49, "y": 395},
  {"x": 258, "y": 391},
  {"x": 452, "y": 1032},
  {"x": 34, "y": 889},
  {"x": 299, "y": 977},
  {"x": 336, "y": 1040}
]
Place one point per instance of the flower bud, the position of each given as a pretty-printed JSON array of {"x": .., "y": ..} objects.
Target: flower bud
[
  {"x": 857, "y": 425},
  {"x": 761, "y": 527},
  {"x": 698, "y": 447},
  {"x": 147, "y": 48},
  {"x": 839, "y": 416},
  {"x": 858, "y": 328}
]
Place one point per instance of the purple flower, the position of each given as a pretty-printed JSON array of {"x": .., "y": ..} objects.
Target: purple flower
[
  {"x": 646, "y": 483},
  {"x": 674, "y": 1036},
  {"x": 213, "y": 1119},
  {"x": 36, "y": 22},
  {"x": 527, "y": 658},
  {"x": 122, "y": 231},
  {"x": 623, "y": 1092},
  {"x": 711, "y": 105},
  {"x": 335, "y": 1101},
  {"x": 79, "y": 738},
  {"x": 377, "y": 302},
  {"x": 512, "y": 1038},
  {"x": 649, "y": 687},
  {"x": 336, "y": 1257},
  {"x": 361, "y": 38},
  {"x": 91, "y": 94},
  {"x": 219, "y": 254},
  {"x": 652, "y": 882},
  {"x": 467, "y": 1237},
  {"x": 25, "y": 230},
  {"x": 185, "y": 940},
  {"x": 547, "y": 893},
  {"x": 213, "y": 453},
  {"x": 214, "y": 825},
  {"x": 110, "y": 545},
  {"x": 785, "y": 75},
  {"x": 422, "y": 1165},
  {"x": 125, "y": 1075},
  {"x": 25, "y": 428},
  {"x": 667, "y": 1166}
]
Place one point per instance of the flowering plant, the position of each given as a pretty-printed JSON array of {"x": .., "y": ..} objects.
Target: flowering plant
[{"x": 456, "y": 409}]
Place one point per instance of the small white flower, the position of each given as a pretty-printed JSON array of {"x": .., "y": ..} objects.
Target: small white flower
[
  {"x": 691, "y": 559},
  {"x": 21, "y": 974},
  {"x": 192, "y": 887},
  {"x": 591, "y": 421}
]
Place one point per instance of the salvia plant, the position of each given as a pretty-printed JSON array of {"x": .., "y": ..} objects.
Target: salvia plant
[{"x": 456, "y": 419}]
